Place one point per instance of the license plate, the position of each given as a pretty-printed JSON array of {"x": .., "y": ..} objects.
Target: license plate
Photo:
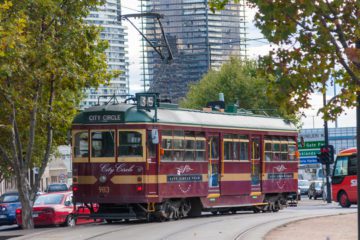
[
  {"x": 35, "y": 215},
  {"x": 2, "y": 216}
]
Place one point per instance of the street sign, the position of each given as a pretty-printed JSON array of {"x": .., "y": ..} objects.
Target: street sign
[
  {"x": 62, "y": 176},
  {"x": 311, "y": 145},
  {"x": 308, "y": 152},
  {"x": 308, "y": 160}
]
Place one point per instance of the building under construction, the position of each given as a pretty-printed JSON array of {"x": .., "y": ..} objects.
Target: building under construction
[{"x": 199, "y": 40}]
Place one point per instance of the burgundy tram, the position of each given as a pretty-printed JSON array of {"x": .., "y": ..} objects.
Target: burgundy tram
[{"x": 168, "y": 163}]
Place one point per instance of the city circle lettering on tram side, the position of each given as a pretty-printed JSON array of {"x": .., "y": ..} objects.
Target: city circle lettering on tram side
[{"x": 105, "y": 118}]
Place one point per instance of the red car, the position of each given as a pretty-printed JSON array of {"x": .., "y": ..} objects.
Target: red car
[{"x": 55, "y": 209}]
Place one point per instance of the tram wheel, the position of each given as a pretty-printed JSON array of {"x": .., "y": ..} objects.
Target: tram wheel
[{"x": 185, "y": 208}]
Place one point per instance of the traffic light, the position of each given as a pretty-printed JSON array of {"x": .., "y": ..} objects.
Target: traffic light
[{"x": 326, "y": 155}]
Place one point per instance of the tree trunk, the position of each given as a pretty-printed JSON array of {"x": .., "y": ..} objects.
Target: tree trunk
[{"x": 26, "y": 202}]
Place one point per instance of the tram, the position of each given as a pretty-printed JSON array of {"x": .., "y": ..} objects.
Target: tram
[{"x": 154, "y": 160}]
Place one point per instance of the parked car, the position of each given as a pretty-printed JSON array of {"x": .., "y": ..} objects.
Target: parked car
[
  {"x": 9, "y": 202},
  {"x": 316, "y": 189},
  {"x": 55, "y": 209},
  {"x": 303, "y": 185},
  {"x": 57, "y": 187}
]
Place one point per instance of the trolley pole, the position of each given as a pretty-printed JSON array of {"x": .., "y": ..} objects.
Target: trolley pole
[{"x": 326, "y": 135}]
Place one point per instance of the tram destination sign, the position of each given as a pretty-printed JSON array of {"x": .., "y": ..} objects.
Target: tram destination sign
[
  {"x": 184, "y": 178},
  {"x": 106, "y": 117}
]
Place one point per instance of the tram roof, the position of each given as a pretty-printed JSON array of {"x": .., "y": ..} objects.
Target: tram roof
[{"x": 127, "y": 113}]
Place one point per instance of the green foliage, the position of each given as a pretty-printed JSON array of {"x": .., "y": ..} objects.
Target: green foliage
[
  {"x": 48, "y": 55},
  {"x": 241, "y": 83},
  {"x": 313, "y": 42}
]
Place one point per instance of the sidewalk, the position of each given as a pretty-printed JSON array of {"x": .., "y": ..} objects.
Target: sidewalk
[{"x": 338, "y": 227}]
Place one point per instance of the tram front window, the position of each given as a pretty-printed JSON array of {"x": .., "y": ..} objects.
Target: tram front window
[
  {"x": 130, "y": 144},
  {"x": 81, "y": 144},
  {"x": 102, "y": 144}
]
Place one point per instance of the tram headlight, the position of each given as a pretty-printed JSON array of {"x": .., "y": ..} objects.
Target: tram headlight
[{"x": 102, "y": 179}]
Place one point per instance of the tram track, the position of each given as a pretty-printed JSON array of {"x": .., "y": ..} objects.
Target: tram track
[{"x": 239, "y": 226}]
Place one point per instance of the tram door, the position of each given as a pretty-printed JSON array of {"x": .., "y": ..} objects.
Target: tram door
[
  {"x": 255, "y": 165},
  {"x": 213, "y": 145}
]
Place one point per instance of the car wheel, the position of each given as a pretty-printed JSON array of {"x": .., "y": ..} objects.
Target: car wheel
[
  {"x": 344, "y": 200},
  {"x": 315, "y": 197},
  {"x": 70, "y": 221},
  {"x": 109, "y": 220}
]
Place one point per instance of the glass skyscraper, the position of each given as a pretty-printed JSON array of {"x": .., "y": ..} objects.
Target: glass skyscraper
[
  {"x": 199, "y": 40},
  {"x": 108, "y": 17}
]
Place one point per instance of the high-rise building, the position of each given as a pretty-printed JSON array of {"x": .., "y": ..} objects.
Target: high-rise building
[
  {"x": 108, "y": 17},
  {"x": 199, "y": 40}
]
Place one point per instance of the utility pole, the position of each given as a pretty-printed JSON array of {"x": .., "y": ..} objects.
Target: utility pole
[
  {"x": 357, "y": 45},
  {"x": 327, "y": 164}
]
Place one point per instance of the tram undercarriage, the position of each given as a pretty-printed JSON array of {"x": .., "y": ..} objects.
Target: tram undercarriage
[{"x": 177, "y": 208}]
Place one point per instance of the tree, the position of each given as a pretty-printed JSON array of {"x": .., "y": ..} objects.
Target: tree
[
  {"x": 48, "y": 55},
  {"x": 317, "y": 40},
  {"x": 241, "y": 83}
]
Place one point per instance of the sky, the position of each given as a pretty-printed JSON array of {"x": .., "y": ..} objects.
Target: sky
[{"x": 255, "y": 48}]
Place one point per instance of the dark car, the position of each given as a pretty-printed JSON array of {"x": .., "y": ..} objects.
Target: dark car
[
  {"x": 9, "y": 202},
  {"x": 57, "y": 187},
  {"x": 303, "y": 185},
  {"x": 316, "y": 189}
]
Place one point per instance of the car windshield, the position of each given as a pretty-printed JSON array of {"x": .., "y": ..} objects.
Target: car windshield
[
  {"x": 8, "y": 198},
  {"x": 49, "y": 199},
  {"x": 318, "y": 184},
  {"x": 303, "y": 183}
]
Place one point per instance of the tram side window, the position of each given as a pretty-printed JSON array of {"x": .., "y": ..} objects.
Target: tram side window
[
  {"x": 256, "y": 149},
  {"x": 214, "y": 147},
  {"x": 268, "y": 151},
  {"x": 189, "y": 149},
  {"x": 227, "y": 150},
  {"x": 81, "y": 148},
  {"x": 244, "y": 151},
  {"x": 291, "y": 151},
  {"x": 182, "y": 146},
  {"x": 130, "y": 144},
  {"x": 284, "y": 152},
  {"x": 102, "y": 144},
  {"x": 276, "y": 152},
  {"x": 150, "y": 146},
  {"x": 178, "y": 153},
  {"x": 200, "y": 150},
  {"x": 341, "y": 168}
]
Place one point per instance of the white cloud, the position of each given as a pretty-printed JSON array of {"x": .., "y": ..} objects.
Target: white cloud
[{"x": 314, "y": 120}]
